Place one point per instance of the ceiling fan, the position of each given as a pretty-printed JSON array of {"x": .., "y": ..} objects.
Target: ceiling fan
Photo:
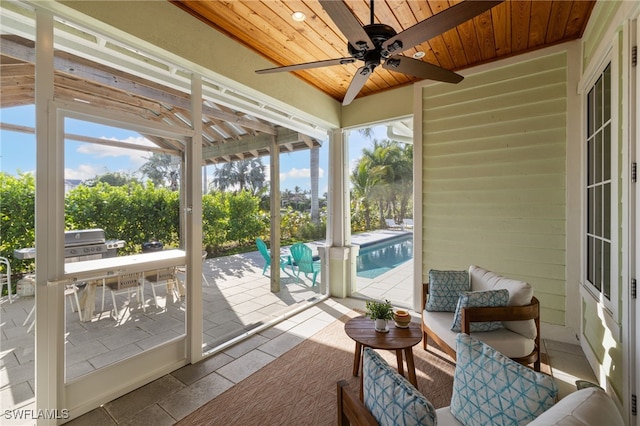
[{"x": 379, "y": 44}]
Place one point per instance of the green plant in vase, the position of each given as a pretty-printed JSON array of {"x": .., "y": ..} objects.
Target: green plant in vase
[{"x": 381, "y": 313}]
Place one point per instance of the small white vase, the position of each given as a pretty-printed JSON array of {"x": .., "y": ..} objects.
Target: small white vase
[{"x": 381, "y": 325}]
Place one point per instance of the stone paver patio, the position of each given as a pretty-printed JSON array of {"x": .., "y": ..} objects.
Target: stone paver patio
[{"x": 237, "y": 300}]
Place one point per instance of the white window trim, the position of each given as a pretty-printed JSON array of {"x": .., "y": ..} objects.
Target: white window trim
[{"x": 608, "y": 310}]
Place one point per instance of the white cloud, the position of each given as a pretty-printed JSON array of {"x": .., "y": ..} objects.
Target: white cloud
[
  {"x": 82, "y": 172},
  {"x": 295, "y": 173},
  {"x": 353, "y": 163},
  {"x": 137, "y": 157}
]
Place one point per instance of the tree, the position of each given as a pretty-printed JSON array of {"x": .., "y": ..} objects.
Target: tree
[
  {"x": 315, "y": 177},
  {"x": 363, "y": 180},
  {"x": 241, "y": 175},
  {"x": 111, "y": 178},
  {"x": 17, "y": 216},
  {"x": 405, "y": 174},
  {"x": 392, "y": 166},
  {"x": 379, "y": 160},
  {"x": 162, "y": 171}
]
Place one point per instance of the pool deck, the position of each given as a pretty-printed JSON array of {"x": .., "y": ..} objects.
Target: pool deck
[
  {"x": 396, "y": 285},
  {"x": 368, "y": 238}
]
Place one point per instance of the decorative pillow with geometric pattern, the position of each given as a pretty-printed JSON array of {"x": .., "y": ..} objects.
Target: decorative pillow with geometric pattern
[
  {"x": 445, "y": 288},
  {"x": 480, "y": 299},
  {"x": 489, "y": 388},
  {"x": 389, "y": 396}
]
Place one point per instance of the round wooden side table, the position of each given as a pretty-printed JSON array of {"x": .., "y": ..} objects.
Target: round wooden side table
[{"x": 362, "y": 331}]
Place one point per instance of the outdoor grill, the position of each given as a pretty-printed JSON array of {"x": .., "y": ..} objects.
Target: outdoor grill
[{"x": 80, "y": 245}]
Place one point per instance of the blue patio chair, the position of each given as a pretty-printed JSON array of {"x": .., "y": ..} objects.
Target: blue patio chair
[
  {"x": 303, "y": 262},
  {"x": 264, "y": 251}
]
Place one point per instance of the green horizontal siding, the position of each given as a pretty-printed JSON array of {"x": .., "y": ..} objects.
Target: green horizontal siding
[{"x": 494, "y": 176}]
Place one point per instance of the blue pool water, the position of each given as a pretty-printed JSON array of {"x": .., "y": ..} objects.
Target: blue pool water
[{"x": 378, "y": 258}]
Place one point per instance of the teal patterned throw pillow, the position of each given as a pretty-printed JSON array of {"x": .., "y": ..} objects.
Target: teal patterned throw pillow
[
  {"x": 445, "y": 288},
  {"x": 489, "y": 388},
  {"x": 390, "y": 398},
  {"x": 480, "y": 299}
]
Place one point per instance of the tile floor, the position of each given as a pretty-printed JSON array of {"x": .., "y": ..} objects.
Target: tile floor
[{"x": 175, "y": 395}]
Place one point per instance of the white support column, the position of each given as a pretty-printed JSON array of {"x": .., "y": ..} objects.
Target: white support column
[
  {"x": 274, "y": 176},
  {"x": 193, "y": 216},
  {"x": 49, "y": 222},
  {"x": 341, "y": 275},
  {"x": 417, "y": 198}
]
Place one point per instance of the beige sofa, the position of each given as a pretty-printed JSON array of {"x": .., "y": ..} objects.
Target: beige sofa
[{"x": 519, "y": 336}]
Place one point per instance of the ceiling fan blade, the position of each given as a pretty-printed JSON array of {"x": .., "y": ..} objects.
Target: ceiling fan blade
[
  {"x": 308, "y": 65},
  {"x": 437, "y": 24},
  {"x": 421, "y": 69},
  {"x": 356, "y": 84},
  {"x": 348, "y": 24}
]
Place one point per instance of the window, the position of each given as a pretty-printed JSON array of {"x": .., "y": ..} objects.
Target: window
[{"x": 599, "y": 186}]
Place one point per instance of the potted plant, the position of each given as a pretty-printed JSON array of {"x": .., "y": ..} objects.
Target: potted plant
[{"x": 381, "y": 313}]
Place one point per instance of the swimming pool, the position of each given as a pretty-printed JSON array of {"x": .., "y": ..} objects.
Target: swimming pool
[{"x": 376, "y": 259}]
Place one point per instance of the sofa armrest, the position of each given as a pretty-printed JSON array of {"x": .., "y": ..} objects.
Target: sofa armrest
[
  {"x": 425, "y": 291},
  {"x": 352, "y": 411},
  {"x": 508, "y": 313},
  {"x": 502, "y": 313}
]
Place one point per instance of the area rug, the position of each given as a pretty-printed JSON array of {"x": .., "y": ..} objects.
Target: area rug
[{"x": 299, "y": 388}]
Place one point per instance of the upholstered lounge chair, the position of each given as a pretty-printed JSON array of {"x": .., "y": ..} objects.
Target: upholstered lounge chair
[{"x": 518, "y": 334}]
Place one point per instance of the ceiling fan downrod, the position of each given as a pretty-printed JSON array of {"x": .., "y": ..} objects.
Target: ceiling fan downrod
[{"x": 371, "y": 14}]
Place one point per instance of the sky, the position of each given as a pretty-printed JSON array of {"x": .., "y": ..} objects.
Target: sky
[{"x": 87, "y": 160}]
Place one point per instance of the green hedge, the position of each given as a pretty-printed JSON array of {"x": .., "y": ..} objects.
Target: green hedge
[
  {"x": 137, "y": 213},
  {"x": 17, "y": 212}
]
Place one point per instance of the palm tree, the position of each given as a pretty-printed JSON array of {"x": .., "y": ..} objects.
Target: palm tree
[
  {"x": 393, "y": 164},
  {"x": 241, "y": 175},
  {"x": 405, "y": 173},
  {"x": 160, "y": 170},
  {"x": 364, "y": 180},
  {"x": 315, "y": 177},
  {"x": 380, "y": 159}
]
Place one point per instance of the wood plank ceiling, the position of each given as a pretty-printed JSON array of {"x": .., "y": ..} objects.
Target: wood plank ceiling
[{"x": 510, "y": 28}]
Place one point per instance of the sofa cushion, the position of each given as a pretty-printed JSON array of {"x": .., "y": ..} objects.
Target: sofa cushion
[
  {"x": 489, "y": 388},
  {"x": 589, "y": 406},
  {"x": 389, "y": 396},
  {"x": 507, "y": 342},
  {"x": 445, "y": 288},
  {"x": 445, "y": 418},
  {"x": 478, "y": 299},
  {"x": 520, "y": 294}
]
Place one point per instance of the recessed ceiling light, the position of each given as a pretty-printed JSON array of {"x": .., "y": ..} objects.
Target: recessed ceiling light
[
  {"x": 418, "y": 55},
  {"x": 298, "y": 16}
]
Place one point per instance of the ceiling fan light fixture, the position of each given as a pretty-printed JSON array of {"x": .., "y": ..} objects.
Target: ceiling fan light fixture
[
  {"x": 375, "y": 44},
  {"x": 298, "y": 16}
]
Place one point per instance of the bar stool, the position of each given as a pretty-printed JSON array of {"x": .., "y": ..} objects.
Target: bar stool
[{"x": 5, "y": 277}]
